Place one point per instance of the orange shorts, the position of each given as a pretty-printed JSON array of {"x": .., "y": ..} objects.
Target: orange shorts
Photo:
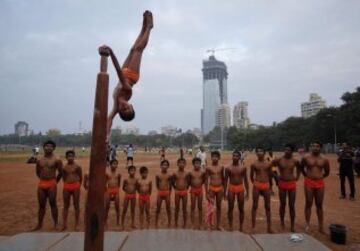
[
  {"x": 181, "y": 193},
  {"x": 163, "y": 193},
  {"x": 46, "y": 184},
  {"x": 70, "y": 187},
  {"x": 131, "y": 74},
  {"x": 236, "y": 188},
  {"x": 196, "y": 190},
  {"x": 262, "y": 186},
  {"x": 287, "y": 185},
  {"x": 112, "y": 190},
  {"x": 144, "y": 197},
  {"x": 216, "y": 189},
  {"x": 130, "y": 196},
  {"x": 317, "y": 184}
]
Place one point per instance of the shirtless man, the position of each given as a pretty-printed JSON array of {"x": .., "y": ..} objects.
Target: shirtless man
[
  {"x": 315, "y": 167},
  {"x": 181, "y": 185},
  {"x": 197, "y": 180},
  {"x": 163, "y": 184},
  {"x": 144, "y": 188},
  {"x": 46, "y": 168},
  {"x": 129, "y": 73},
  {"x": 236, "y": 174},
  {"x": 72, "y": 177},
  {"x": 162, "y": 154},
  {"x": 113, "y": 181},
  {"x": 289, "y": 170},
  {"x": 129, "y": 187},
  {"x": 260, "y": 174},
  {"x": 216, "y": 184}
]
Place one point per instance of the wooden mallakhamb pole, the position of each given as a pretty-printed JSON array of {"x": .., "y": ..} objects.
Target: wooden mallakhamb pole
[{"x": 94, "y": 212}]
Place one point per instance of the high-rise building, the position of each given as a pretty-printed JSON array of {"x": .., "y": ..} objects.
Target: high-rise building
[
  {"x": 240, "y": 115},
  {"x": 223, "y": 116},
  {"x": 214, "y": 92},
  {"x": 313, "y": 106},
  {"x": 21, "y": 128}
]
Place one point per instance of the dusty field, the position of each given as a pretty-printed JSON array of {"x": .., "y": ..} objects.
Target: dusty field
[{"x": 18, "y": 202}]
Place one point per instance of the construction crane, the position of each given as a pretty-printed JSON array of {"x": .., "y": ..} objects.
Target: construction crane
[{"x": 212, "y": 51}]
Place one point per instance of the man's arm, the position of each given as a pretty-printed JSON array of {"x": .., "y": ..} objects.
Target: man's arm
[
  {"x": 298, "y": 170},
  {"x": 246, "y": 183},
  {"x": 150, "y": 189},
  {"x": 302, "y": 166},
  {"x": 157, "y": 182},
  {"x": 79, "y": 171},
  {"x": 224, "y": 180},
  {"x": 38, "y": 168},
  {"x": 115, "y": 62},
  {"x": 252, "y": 173},
  {"x": 59, "y": 166}
]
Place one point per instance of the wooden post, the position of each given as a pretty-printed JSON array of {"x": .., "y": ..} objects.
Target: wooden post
[{"x": 94, "y": 214}]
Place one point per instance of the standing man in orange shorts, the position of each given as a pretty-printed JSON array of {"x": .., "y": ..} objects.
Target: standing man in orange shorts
[
  {"x": 289, "y": 170},
  {"x": 144, "y": 188},
  {"x": 129, "y": 73},
  {"x": 197, "y": 179},
  {"x": 129, "y": 187},
  {"x": 236, "y": 174},
  {"x": 260, "y": 174},
  {"x": 46, "y": 169},
  {"x": 72, "y": 177},
  {"x": 113, "y": 181},
  {"x": 181, "y": 185},
  {"x": 315, "y": 167},
  {"x": 163, "y": 185},
  {"x": 216, "y": 185}
]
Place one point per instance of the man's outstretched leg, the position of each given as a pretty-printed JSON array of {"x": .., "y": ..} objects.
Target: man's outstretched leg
[{"x": 133, "y": 61}]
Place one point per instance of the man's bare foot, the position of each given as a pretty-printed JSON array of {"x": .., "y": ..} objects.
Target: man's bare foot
[
  {"x": 282, "y": 225},
  {"x": 321, "y": 230},
  {"x": 292, "y": 229},
  {"x": 270, "y": 231},
  {"x": 148, "y": 19},
  {"x": 307, "y": 228},
  {"x": 63, "y": 228},
  {"x": 133, "y": 226},
  {"x": 231, "y": 228},
  {"x": 36, "y": 228},
  {"x": 241, "y": 228},
  {"x": 176, "y": 225},
  {"x": 219, "y": 228},
  {"x": 76, "y": 228}
]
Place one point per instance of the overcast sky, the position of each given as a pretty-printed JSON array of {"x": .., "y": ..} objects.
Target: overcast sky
[{"x": 284, "y": 51}]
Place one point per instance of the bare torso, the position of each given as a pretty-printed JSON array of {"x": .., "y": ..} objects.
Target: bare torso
[
  {"x": 197, "y": 178},
  {"x": 236, "y": 174},
  {"x": 216, "y": 174},
  {"x": 113, "y": 179},
  {"x": 262, "y": 170},
  {"x": 164, "y": 181},
  {"x": 71, "y": 173},
  {"x": 286, "y": 168},
  {"x": 180, "y": 180},
  {"x": 315, "y": 166},
  {"x": 47, "y": 166},
  {"x": 144, "y": 186},
  {"x": 130, "y": 185}
]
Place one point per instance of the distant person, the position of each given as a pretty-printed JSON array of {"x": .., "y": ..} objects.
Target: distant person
[
  {"x": 238, "y": 188},
  {"x": 315, "y": 167},
  {"x": 260, "y": 174},
  {"x": 144, "y": 188},
  {"x": 357, "y": 162},
  {"x": 346, "y": 162},
  {"x": 163, "y": 185},
  {"x": 181, "y": 185},
  {"x": 162, "y": 154},
  {"x": 129, "y": 187},
  {"x": 83, "y": 149},
  {"x": 289, "y": 173},
  {"x": 49, "y": 171},
  {"x": 72, "y": 177},
  {"x": 113, "y": 181},
  {"x": 37, "y": 150},
  {"x": 190, "y": 151},
  {"x": 130, "y": 155},
  {"x": 201, "y": 154},
  {"x": 113, "y": 149}
]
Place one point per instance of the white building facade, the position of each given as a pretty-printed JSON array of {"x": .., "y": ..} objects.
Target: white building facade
[{"x": 313, "y": 106}]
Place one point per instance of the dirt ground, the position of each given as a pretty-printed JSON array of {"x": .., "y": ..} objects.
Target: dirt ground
[{"x": 18, "y": 202}]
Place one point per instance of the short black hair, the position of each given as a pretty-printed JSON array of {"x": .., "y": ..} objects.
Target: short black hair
[
  {"x": 68, "y": 152},
  {"x": 113, "y": 160},
  {"x": 143, "y": 169},
  {"x": 236, "y": 152},
  {"x": 213, "y": 153},
  {"x": 181, "y": 159},
  {"x": 318, "y": 142},
  {"x": 49, "y": 142},
  {"x": 291, "y": 146},
  {"x": 128, "y": 116},
  {"x": 196, "y": 159},
  {"x": 131, "y": 167},
  {"x": 260, "y": 148}
]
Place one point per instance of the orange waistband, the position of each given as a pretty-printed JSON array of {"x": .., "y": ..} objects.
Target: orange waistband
[
  {"x": 236, "y": 188},
  {"x": 46, "y": 184},
  {"x": 181, "y": 192},
  {"x": 287, "y": 185},
  {"x": 196, "y": 190},
  {"x": 216, "y": 189},
  {"x": 71, "y": 186},
  {"x": 163, "y": 193},
  {"x": 112, "y": 190},
  {"x": 261, "y": 185},
  {"x": 144, "y": 197},
  {"x": 131, "y": 74},
  {"x": 130, "y": 196},
  {"x": 314, "y": 183}
]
